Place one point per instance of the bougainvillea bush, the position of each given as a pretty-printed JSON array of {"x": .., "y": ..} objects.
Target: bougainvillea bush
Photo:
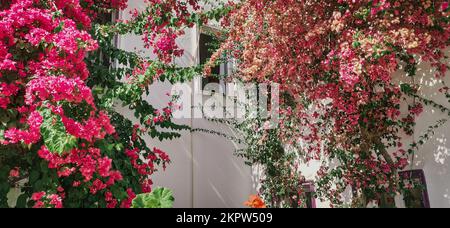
[
  {"x": 61, "y": 77},
  {"x": 62, "y": 142},
  {"x": 335, "y": 61}
]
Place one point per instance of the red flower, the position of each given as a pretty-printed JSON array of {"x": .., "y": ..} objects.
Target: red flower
[
  {"x": 97, "y": 186},
  {"x": 444, "y": 6},
  {"x": 37, "y": 196},
  {"x": 14, "y": 172},
  {"x": 417, "y": 109},
  {"x": 127, "y": 202},
  {"x": 56, "y": 201},
  {"x": 39, "y": 204}
]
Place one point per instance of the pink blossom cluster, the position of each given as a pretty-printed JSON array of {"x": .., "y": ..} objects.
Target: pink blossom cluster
[
  {"x": 83, "y": 11},
  {"x": 127, "y": 203},
  {"x": 55, "y": 89},
  {"x": 44, "y": 200},
  {"x": 339, "y": 56},
  {"x": 92, "y": 129},
  {"x": 161, "y": 32},
  {"x": 43, "y": 45},
  {"x": 54, "y": 75},
  {"x": 29, "y": 136},
  {"x": 141, "y": 69},
  {"x": 143, "y": 161},
  {"x": 166, "y": 46},
  {"x": 7, "y": 91},
  {"x": 95, "y": 169},
  {"x": 160, "y": 116}
]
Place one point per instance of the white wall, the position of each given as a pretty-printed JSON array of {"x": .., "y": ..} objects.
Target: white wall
[{"x": 434, "y": 156}]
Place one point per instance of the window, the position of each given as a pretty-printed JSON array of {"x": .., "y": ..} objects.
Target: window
[
  {"x": 206, "y": 50},
  {"x": 107, "y": 18},
  {"x": 417, "y": 197},
  {"x": 207, "y": 47},
  {"x": 309, "y": 189}
]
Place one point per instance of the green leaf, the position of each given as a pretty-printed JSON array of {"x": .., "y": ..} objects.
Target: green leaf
[
  {"x": 55, "y": 136},
  {"x": 34, "y": 176},
  {"x": 406, "y": 88},
  {"x": 22, "y": 201},
  {"x": 158, "y": 198},
  {"x": 60, "y": 27}
]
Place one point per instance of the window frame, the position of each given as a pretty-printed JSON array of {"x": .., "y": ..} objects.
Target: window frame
[
  {"x": 225, "y": 68},
  {"x": 308, "y": 187},
  {"x": 420, "y": 175}
]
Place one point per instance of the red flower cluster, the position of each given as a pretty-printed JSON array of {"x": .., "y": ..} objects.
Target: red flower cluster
[
  {"x": 32, "y": 135},
  {"x": 44, "y": 200},
  {"x": 92, "y": 129},
  {"x": 43, "y": 44},
  {"x": 53, "y": 71},
  {"x": 336, "y": 58},
  {"x": 88, "y": 162},
  {"x": 127, "y": 203},
  {"x": 144, "y": 162},
  {"x": 165, "y": 24}
]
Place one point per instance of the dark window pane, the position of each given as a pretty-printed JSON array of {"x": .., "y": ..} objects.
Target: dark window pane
[
  {"x": 308, "y": 187},
  {"x": 417, "y": 196},
  {"x": 206, "y": 51}
]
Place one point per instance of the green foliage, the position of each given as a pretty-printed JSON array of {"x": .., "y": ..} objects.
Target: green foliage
[
  {"x": 55, "y": 136},
  {"x": 158, "y": 198},
  {"x": 426, "y": 136}
]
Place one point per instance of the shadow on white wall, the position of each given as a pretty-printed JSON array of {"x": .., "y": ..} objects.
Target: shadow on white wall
[{"x": 434, "y": 156}]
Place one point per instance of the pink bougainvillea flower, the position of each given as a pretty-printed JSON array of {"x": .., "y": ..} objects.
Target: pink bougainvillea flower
[{"x": 14, "y": 172}]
